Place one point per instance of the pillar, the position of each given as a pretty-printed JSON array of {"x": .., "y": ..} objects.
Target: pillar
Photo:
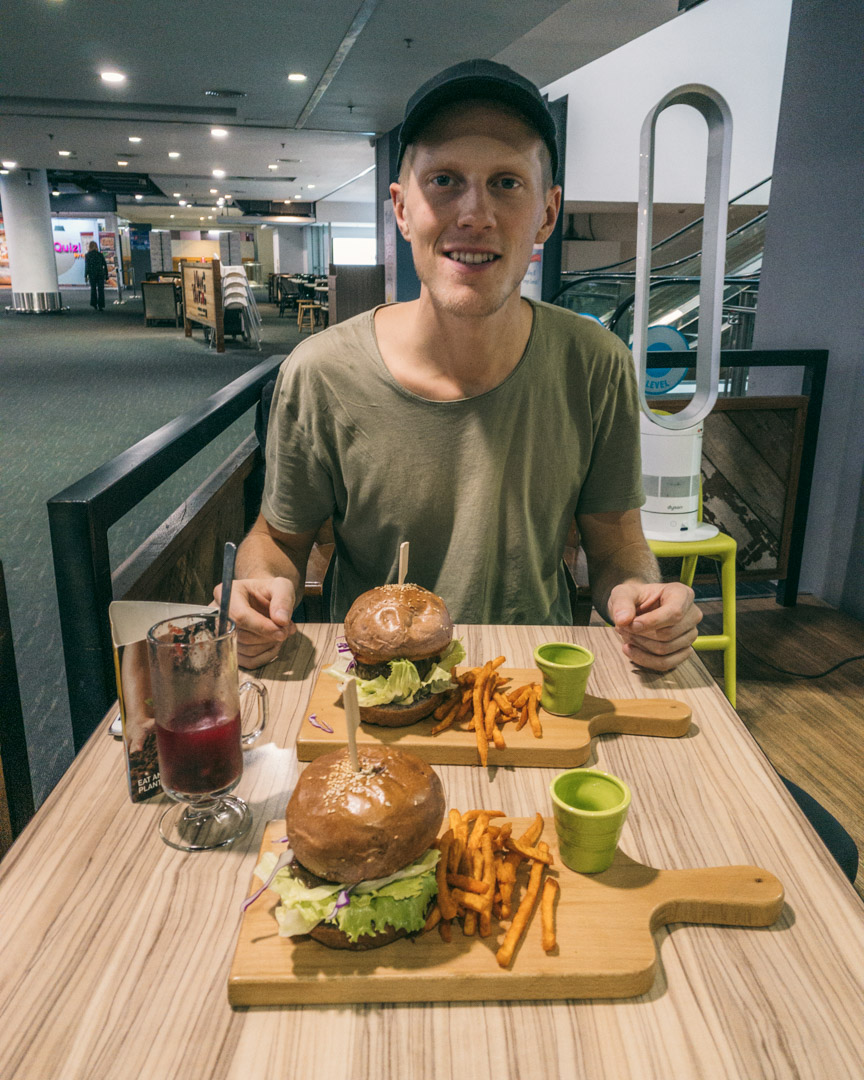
[
  {"x": 27, "y": 220},
  {"x": 812, "y": 271}
]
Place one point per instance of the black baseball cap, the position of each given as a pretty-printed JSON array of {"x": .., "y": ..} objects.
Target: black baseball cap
[{"x": 478, "y": 79}]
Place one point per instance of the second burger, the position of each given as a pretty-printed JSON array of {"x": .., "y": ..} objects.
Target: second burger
[{"x": 399, "y": 647}]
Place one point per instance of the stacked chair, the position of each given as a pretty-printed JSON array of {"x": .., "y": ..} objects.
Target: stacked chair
[{"x": 237, "y": 297}]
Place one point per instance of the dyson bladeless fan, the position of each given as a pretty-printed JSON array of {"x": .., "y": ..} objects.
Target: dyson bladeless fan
[{"x": 672, "y": 445}]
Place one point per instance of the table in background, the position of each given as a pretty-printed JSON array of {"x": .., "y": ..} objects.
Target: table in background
[{"x": 115, "y": 949}]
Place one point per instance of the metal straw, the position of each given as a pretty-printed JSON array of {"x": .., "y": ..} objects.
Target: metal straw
[
  {"x": 227, "y": 582},
  {"x": 352, "y": 720}
]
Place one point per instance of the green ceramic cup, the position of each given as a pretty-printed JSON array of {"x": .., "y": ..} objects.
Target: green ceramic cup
[
  {"x": 565, "y": 668},
  {"x": 590, "y": 808}
]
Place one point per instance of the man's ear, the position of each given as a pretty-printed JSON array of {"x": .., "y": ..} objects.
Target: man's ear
[
  {"x": 550, "y": 214},
  {"x": 398, "y": 197}
]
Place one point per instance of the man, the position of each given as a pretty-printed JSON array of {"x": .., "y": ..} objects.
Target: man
[
  {"x": 470, "y": 422},
  {"x": 96, "y": 272}
]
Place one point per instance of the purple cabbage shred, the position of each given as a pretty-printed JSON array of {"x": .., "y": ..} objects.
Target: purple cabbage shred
[
  {"x": 342, "y": 900},
  {"x": 315, "y": 722}
]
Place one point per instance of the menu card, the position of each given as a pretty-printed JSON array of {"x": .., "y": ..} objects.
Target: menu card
[{"x": 130, "y": 621}]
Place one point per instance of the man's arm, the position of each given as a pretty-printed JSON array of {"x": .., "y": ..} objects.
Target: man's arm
[
  {"x": 269, "y": 578},
  {"x": 656, "y": 622}
]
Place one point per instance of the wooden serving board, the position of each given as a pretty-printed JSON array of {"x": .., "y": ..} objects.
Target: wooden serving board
[
  {"x": 604, "y": 925},
  {"x": 566, "y": 740}
]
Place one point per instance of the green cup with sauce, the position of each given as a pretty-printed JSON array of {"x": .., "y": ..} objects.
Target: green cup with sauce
[
  {"x": 565, "y": 668},
  {"x": 590, "y": 807}
]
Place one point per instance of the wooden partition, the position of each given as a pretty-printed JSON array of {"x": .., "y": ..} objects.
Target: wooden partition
[
  {"x": 751, "y": 466},
  {"x": 79, "y": 519}
]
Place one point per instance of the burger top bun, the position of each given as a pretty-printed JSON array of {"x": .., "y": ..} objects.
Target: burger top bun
[
  {"x": 396, "y": 622},
  {"x": 349, "y": 827}
]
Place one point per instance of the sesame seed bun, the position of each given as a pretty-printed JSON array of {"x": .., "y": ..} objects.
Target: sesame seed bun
[
  {"x": 397, "y": 622},
  {"x": 350, "y": 827}
]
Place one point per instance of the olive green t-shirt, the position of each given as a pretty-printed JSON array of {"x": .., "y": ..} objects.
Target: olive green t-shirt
[{"x": 484, "y": 488}]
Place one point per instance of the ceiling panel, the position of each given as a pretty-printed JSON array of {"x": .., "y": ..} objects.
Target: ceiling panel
[{"x": 52, "y": 98}]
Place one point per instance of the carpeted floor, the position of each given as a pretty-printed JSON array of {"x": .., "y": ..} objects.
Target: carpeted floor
[{"x": 76, "y": 389}]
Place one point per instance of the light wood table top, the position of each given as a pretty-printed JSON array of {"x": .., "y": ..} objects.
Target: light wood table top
[{"x": 115, "y": 949}]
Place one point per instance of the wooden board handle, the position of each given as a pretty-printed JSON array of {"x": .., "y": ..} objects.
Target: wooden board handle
[
  {"x": 727, "y": 895},
  {"x": 663, "y": 717}
]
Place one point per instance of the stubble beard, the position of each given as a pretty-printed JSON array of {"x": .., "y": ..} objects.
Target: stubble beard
[{"x": 465, "y": 302}]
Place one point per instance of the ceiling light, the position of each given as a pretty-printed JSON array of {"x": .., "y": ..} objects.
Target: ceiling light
[
  {"x": 200, "y": 218},
  {"x": 4, "y": 172},
  {"x": 173, "y": 153},
  {"x": 272, "y": 166},
  {"x": 214, "y": 191},
  {"x": 9, "y": 164},
  {"x": 295, "y": 76},
  {"x": 171, "y": 215},
  {"x": 182, "y": 202},
  {"x": 112, "y": 76},
  {"x": 209, "y": 217},
  {"x": 225, "y": 93},
  {"x": 122, "y": 162},
  {"x": 65, "y": 153},
  {"x": 218, "y": 133},
  {"x": 218, "y": 173},
  {"x": 139, "y": 196},
  {"x": 55, "y": 192},
  {"x": 298, "y": 196},
  {"x": 134, "y": 138},
  {"x": 310, "y": 186}
]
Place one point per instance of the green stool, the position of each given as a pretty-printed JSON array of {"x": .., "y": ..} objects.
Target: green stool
[{"x": 721, "y": 548}]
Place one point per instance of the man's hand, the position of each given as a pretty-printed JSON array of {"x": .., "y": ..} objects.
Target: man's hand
[
  {"x": 656, "y": 622},
  {"x": 262, "y": 609}
]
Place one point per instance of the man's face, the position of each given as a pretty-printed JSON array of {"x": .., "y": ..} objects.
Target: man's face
[{"x": 472, "y": 206}]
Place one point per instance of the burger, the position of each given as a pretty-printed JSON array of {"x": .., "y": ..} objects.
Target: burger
[
  {"x": 399, "y": 647},
  {"x": 363, "y": 869}
]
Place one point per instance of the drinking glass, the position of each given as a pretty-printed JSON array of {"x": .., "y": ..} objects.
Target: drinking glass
[{"x": 199, "y": 739}]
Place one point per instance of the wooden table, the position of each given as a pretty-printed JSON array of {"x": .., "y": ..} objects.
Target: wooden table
[{"x": 115, "y": 949}]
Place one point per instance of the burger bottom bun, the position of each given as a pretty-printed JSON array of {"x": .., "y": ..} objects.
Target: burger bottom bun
[
  {"x": 334, "y": 938},
  {"x": 399, "y": 715}
]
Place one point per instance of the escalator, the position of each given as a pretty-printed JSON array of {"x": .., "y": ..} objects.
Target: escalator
[{"x": 607, "y": 292}]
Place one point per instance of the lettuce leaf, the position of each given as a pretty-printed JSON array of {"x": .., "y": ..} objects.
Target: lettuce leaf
[
  {"x": 399, "y": 900},
  {"x": 404, "y": 682}
]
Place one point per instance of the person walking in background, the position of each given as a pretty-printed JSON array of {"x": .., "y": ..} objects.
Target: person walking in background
[{"x": 96, "y": 272}]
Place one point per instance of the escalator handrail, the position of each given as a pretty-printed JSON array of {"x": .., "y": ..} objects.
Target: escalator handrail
[
  {"x": 627, "y": 302},
  {"x": 686, "y": 228},
  {"x": 602, "y": 274}
]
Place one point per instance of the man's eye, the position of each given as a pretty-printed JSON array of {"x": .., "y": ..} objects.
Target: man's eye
[
  {"x": 441, "y": 181},
  {"x": 509, "y": 182}
]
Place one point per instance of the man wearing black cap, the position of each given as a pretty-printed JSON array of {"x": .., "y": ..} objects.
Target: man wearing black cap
[{"x": 471, "y": 422}]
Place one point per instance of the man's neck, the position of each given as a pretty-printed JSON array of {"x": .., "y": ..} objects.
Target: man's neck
[{"x": 445, "y": 357}]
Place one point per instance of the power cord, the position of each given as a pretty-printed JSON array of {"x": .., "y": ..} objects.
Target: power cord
[
  {"x": 784, "y": 671},
  {"x": 801, "y": 674}
]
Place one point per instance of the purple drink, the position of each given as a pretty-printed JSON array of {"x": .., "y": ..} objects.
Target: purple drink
[{"x": 199, "y": 749}]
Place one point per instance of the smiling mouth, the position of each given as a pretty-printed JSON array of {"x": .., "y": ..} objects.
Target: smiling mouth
[{"x": 471, "y": 258}]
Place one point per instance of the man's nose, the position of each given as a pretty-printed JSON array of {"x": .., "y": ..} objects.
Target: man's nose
[{"x": 475, "y": 207}]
